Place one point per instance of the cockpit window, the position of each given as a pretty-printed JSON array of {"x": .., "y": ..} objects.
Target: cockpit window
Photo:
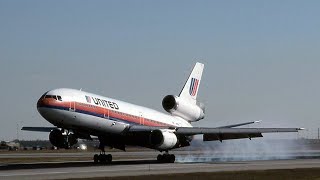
[
  {"x": 54, "y": 97},
  {"x": 43, "y": 96},
  {"x": 48, "y": 96}
]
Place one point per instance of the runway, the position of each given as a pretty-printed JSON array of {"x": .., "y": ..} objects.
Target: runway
[
  {"x": 145, "y": 167},
  {"x": 144, "y": 163}
]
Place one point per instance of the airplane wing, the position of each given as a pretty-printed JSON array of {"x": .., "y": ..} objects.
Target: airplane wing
[
  {"x": 39, "y": 129},
  {"x": 203, "y": 130},
  {"x": 81, "y": 135},
  {"x": 209, "y": 134},
  {"x": 213, "y": 134},
  {"x": 133, "y": 128}
]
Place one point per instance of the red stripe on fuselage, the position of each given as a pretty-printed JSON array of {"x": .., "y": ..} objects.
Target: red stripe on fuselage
[{"x": 104, "y": 112}]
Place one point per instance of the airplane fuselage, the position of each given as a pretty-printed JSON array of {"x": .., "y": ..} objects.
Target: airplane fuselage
[{"x": 75, "y": 109}]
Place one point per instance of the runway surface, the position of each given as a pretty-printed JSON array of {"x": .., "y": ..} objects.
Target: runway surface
[
  {"x": 144, "y": 163},
  {"x": 143, "y": 167}
]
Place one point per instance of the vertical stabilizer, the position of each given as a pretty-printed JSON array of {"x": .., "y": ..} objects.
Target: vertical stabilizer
[{"x": 191, "y": 87}]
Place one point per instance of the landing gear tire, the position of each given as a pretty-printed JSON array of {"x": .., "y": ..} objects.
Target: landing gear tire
[
  {"x": 96, "y": 158},
  {"x": 172, "y": 158},
  {"x": 109, "y": 158},
  {"x": 160, "y": 158},
  {"x": 166, "y": 158},
  {"x": 102, "y": 158}
]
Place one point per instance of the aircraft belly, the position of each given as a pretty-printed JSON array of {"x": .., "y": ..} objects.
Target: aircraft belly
[{"x": 54, "y": 116}]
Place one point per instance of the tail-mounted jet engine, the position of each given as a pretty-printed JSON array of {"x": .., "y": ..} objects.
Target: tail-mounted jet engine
[
  {"x": 62, "y": 140},
  {"x": 177, "y": 106},
  {"x": 163, "y": 140}
]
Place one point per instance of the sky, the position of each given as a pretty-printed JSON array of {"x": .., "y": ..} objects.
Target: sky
[{"x": 262, "y": 58}]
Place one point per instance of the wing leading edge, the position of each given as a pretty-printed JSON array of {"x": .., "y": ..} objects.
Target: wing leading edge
[{"x": 39, "y": 129}]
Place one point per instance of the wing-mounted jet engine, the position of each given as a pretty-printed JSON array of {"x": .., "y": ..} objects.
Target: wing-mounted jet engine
[
  {"x": 163, "y": 139},
  {"x": 61, "y": 140}
]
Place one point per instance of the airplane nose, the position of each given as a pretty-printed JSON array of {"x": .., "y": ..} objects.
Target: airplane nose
[{"x": 40, "y": 101}]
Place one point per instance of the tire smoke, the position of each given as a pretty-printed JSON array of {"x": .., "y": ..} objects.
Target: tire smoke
[{"x": 245, "y": 150}]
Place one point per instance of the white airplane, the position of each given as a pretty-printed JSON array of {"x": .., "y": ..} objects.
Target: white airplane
[{"x": 78, "y": 114}]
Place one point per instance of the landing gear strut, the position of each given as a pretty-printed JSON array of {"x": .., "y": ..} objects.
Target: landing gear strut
[
  {"x": 102, "y": 157},
  {"x": 166, "y": 158}
]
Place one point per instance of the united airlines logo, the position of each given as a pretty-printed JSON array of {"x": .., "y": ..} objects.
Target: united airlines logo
[
  {"x": 193, "y": 86},
  {"x": 88, "y": 99}
]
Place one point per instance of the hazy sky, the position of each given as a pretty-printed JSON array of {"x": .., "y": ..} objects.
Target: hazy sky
[{"x": 262, "y": 58}]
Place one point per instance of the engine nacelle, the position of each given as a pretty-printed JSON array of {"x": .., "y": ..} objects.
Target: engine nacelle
[
  {"x": 163, "y": 140},
  {"x": 179, "y": 107},
  {"x": 58, "y": 139}
]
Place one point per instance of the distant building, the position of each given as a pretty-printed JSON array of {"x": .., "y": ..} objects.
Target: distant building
[{"x": 10, "y": 145}]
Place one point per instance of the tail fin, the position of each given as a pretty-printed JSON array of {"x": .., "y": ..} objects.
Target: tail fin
[{"x": 191, "y": 87}]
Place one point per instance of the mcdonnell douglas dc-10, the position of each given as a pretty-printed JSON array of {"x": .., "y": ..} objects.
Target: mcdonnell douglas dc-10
[{"x": 79, "y": 115}]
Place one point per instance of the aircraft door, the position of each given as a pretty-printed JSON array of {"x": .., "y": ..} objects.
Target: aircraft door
[
  {"x": 72, "y": 104},
  {"x": 141, "y": 118},
  {"x": 72, "y": 117},
  {"x": 106, "y": 113}
]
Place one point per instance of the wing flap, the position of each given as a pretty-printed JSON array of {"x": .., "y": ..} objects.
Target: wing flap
[{"x": 220, "y": 137}]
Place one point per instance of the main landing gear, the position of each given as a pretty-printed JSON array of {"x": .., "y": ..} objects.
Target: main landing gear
[
  {"x": 166, "y": 158},
  {"x": 102, "y": 157}
]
